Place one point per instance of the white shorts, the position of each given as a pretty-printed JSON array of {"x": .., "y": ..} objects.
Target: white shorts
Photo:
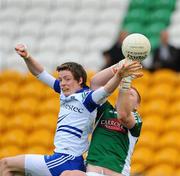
[
  {"x": 52, "y": 165},
  {"x": 94, "y": 174},
  {"x": 35, "y": 166}
]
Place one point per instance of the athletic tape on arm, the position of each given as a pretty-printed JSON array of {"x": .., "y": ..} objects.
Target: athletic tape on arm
[{"x": 99, "y": 96}]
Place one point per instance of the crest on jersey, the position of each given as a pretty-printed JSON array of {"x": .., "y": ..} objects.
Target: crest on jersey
[{"x": 85, "y": 94}]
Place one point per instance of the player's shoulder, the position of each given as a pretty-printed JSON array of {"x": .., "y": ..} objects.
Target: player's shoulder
[
  {"x": 86, "y": 92},
  {"x": 83, "y": 93},
  {"x": 105, "y": 106}
]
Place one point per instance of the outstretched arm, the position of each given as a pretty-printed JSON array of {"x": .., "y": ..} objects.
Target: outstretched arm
[
  {"x": 124, "y": 108},
  {"x": 130, "y": 69},
  {"x": 102, "y": 77},
  {"x": 34, "y": 67}
]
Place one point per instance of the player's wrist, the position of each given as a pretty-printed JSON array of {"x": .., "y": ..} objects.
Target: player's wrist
[
  {"x": 26, "y": 57},
  {"x": 115, "y": 67},
  {"x": 125, "y": 86},
  {"x": 125, "y": 83},
  {"x": 118, "y": 76}
]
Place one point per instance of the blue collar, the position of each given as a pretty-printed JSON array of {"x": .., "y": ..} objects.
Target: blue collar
[{"x": 83, "y": 89}]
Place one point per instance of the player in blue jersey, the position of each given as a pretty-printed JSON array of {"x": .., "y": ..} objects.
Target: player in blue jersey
[{"x": 77, "y": 113}]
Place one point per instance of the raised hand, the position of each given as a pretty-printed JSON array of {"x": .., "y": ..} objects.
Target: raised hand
[
  {"x": 130, "y": 69},
  {"x": 22, "y": 50}
]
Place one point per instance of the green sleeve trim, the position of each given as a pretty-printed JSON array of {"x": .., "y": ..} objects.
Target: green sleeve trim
[{"x": 136, "y": 130}]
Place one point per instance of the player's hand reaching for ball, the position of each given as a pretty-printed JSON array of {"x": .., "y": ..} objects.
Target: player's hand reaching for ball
[
  {"x": 130, "y": 69},
  {"x": 22, "y": 51}
]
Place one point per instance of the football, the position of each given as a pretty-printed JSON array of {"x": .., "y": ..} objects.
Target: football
[{"x": 136, "y": 46}]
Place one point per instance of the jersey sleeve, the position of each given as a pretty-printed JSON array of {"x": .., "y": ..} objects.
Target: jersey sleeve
[
  {"x": 89, "y": 103},
  {"x": 56, "y": 86},
  {"x": 49, "y": 80},
  {"x": 136, "y": 130},
  {"x": 93, "y": 99}
]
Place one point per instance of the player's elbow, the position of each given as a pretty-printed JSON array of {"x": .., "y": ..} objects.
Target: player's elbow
[
  {"x": 4, "y": 165},
  {"x": 94, "y": 84},
  {"x": 126, "y": 119}
]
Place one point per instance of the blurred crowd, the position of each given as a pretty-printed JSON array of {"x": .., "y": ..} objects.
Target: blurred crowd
[{"x": 164, "y": 56}]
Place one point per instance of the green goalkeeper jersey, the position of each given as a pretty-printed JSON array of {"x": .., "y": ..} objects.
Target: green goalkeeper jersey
[{"x": 112, "y": 144}]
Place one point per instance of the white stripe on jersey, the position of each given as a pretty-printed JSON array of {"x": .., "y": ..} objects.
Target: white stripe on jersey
[
  {"x": 54, "y": 160},
  {"x": 132, "y": 142},
  {"x": 63, "y": 160}
]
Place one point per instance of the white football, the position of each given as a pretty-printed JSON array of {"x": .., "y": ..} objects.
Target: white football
[{"x": 136, "y": 47}]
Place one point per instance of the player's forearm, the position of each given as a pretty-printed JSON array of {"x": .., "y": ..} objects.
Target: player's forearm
[
  {"x": 37, "y": 70},
  {"x": 113, "y": 83},
  {"x": 101, "y": 78},
  {"x": 124, "y": 103},
  {"x": 122, "y": 71},
  {"x": 34, "y": 67},
  {"x": 124, "y": 108}
]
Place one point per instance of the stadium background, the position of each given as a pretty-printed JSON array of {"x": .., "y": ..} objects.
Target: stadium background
[{"x": 56, "y": 31}]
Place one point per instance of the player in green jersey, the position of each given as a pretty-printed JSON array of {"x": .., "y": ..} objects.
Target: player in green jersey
[
  {"x": 116, "y": 133},
  {"x": 113, "y": 140}
]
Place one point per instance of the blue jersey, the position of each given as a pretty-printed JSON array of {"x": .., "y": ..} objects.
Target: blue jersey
[{"x": 75, "y": 120}]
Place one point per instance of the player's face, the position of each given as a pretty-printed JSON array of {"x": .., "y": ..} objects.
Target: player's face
[
  {"x": 134, "y": 98},
  {"x": 67, "y": 83}
]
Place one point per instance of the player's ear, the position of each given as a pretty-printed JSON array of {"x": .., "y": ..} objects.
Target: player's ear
[
  {"x": 136, "y": 106},
  {"x": 80, "y": 80}
]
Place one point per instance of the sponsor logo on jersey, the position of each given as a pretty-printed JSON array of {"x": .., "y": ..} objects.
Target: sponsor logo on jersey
[
  {"x": 72, "y": 108},
  {"x": 112, "y": 124},
  {"x": 85, "y": 93}
]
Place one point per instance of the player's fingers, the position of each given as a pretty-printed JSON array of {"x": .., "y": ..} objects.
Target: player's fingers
[
  {"x": 130, "y": 69},
  {"x": 133, "y": 71},
  {"x": 20, "y": 47},
  {"x": 137, "y": 75},
  {"x": 135, "y": 67},
  {"x": 132, "y": 63}
]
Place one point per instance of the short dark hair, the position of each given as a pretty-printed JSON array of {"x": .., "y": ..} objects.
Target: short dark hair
[{"x": 76, "y": 69}]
